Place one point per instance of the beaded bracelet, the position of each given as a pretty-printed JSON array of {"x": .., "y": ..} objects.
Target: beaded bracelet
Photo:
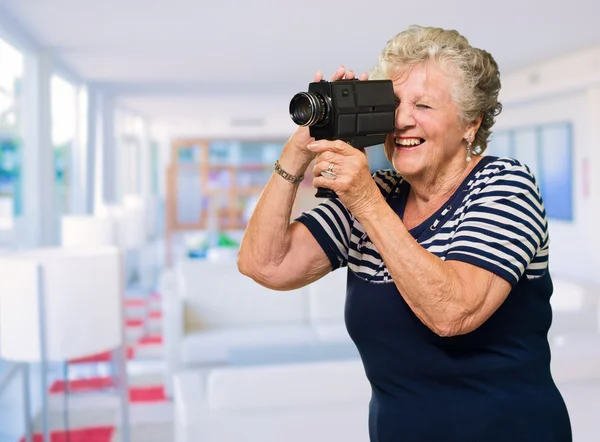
[{"x": 289, "y": 177}]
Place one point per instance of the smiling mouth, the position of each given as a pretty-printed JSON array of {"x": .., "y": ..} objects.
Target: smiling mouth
[{"x": 408, "y": 143}]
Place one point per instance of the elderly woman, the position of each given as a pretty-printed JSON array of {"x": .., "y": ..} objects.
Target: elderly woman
[{"x": 448, "y": 285}]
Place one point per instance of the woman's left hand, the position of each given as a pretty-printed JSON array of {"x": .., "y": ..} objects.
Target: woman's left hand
[{"x": 353, "y": 182}]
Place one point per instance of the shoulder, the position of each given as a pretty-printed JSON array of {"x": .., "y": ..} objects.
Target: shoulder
[
  {"x": 504, "y": 167},
  {"x": 504, "y": 174},
  {"x": 387, "y": 180}
]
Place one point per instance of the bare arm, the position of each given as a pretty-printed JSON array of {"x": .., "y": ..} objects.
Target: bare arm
[
  {"x": 449, "y": 297},
  {"x": 274, "y": 252}
]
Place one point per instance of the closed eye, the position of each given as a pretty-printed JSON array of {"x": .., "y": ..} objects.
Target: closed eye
[{"x": 423, "y": 106}]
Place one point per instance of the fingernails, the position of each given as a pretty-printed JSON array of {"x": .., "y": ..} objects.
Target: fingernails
[{"x": 312, "y": 146}]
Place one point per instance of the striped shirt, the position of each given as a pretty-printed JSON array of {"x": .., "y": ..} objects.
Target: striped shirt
[{"x": 496, "y": 220}]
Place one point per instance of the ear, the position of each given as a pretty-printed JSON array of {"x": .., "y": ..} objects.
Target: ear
[{"x": 473, "y": 127}]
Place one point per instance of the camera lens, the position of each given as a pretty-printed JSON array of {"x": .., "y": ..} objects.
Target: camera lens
[{"x": 308, "y": 109}]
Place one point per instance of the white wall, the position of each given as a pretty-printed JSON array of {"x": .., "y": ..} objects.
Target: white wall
[
  {"x": 566, "y": 237},
  {"x": 564, "y": 90}
]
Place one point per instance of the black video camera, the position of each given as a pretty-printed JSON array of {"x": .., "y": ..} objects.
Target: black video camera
[{"x": 360, "y": 113}]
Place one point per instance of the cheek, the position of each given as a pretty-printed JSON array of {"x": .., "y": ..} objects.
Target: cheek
[{"x": 389, "y": 146}]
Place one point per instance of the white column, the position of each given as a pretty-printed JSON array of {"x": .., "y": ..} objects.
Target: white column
[
  {"x": 146, "y": 163},
  {"x": 91, "y": 147},
  {"x": 79, "y": 155},
  {"x": 38, "y": 166},
  {"x": 110, "y": 161}
]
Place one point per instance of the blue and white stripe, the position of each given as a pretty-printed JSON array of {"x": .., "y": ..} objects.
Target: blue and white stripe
[{"x": 501, "y": 226}]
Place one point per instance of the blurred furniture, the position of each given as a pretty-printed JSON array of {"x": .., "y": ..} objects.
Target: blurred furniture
[
  {"x": 128, "y": 226},
  {"x": 88, "y": 230},
  {"x": 213, "y": 315},
  {"x": 229, "y": 322},
  {"x": 59, "y": 304},
  {"x": 328, "y": 401},
  {"x": 109, "y": 228},
  {"x": 317, "y": 402}
]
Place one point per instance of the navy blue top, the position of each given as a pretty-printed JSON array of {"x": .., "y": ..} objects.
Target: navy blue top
[{"x": 493, "y": 384}]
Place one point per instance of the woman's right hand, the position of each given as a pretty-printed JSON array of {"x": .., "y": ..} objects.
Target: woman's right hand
[{"x": 301, "y": 138}]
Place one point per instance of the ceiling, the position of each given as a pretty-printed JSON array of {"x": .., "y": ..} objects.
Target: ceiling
[{"x": 185, "y": 59}]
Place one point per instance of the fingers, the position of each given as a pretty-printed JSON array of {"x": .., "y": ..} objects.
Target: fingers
[
  {"x": 338, "y": 74},
  {"x": 321, "y": 166},
  {"x": 336, "y": 146},
  {"x": 341, "y": 74}
]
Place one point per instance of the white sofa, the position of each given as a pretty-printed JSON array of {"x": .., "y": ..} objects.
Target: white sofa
[
  {"x": 328, "y": 401},
  {"x": 314, "y": 400},
  {"x": 211, "y": 311},
  {"x": 317, "y": 402}
]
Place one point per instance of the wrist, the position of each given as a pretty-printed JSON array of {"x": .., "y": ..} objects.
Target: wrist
[
  {"x": 293, "y": 161},
  {"x": 294, "y": 179},
  {"x": 370, "y": 208}
]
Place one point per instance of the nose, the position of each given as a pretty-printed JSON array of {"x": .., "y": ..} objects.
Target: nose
[{"x": 404, "y": 116}]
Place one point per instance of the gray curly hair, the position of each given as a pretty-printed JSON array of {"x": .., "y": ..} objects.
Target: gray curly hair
[{"x": 478, "y": 79}]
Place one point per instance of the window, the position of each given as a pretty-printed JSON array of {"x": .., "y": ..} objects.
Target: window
[
  {"x": 63, "y": 112},
  {"x": 130, "y": 143},
  {"x": 548, "y": 151},
  {"x": 11, "y": 74}
]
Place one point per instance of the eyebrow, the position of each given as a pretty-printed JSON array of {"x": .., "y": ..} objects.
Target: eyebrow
[{"x": 427, "y": 98}]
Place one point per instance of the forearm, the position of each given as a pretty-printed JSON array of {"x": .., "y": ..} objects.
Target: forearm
[
  {"x": 266, "y": 239},
  {"x": 431, "y": 287}
]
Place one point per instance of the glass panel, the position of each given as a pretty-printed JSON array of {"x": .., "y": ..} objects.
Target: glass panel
[
  {"x": 189, "y": 194},
  {"x": 526, "y": 149},
  {"x": 557, "y": 171},
  {"x": 251, "y": 153},
  {"x": 131, "y": 165},
  {"x": 190, "y": 201},
  {"x": 64, "y": 127},
  {"x": 189, "y": 155},
  {"x": 12, "y": 64},
  {"x": 223, "y": 153},
  {"x": 11, "y": 201},
  {"x": 10, "y": 181},
  {"x": 154, "y": 167},
  {"x": 12, "y": 401}
]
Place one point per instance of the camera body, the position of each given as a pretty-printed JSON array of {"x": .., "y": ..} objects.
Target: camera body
[{"x": 360, "y": 113}]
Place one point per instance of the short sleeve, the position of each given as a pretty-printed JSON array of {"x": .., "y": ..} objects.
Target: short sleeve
[
  {"x": 504, "y": 223},
  {"x": 330, "y": 223}
]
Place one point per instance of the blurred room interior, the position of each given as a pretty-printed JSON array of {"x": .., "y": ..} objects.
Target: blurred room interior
[{"x": 150, "y": 128}]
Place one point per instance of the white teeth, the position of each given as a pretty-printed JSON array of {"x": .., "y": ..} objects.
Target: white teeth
[{"x": 408, "y": 141}]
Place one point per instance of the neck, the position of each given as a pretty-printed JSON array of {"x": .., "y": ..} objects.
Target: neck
[{"x": 440, "y": 184}]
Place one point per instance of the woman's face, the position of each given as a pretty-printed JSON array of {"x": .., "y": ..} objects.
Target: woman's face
[{"x": 429, "y": 132}]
